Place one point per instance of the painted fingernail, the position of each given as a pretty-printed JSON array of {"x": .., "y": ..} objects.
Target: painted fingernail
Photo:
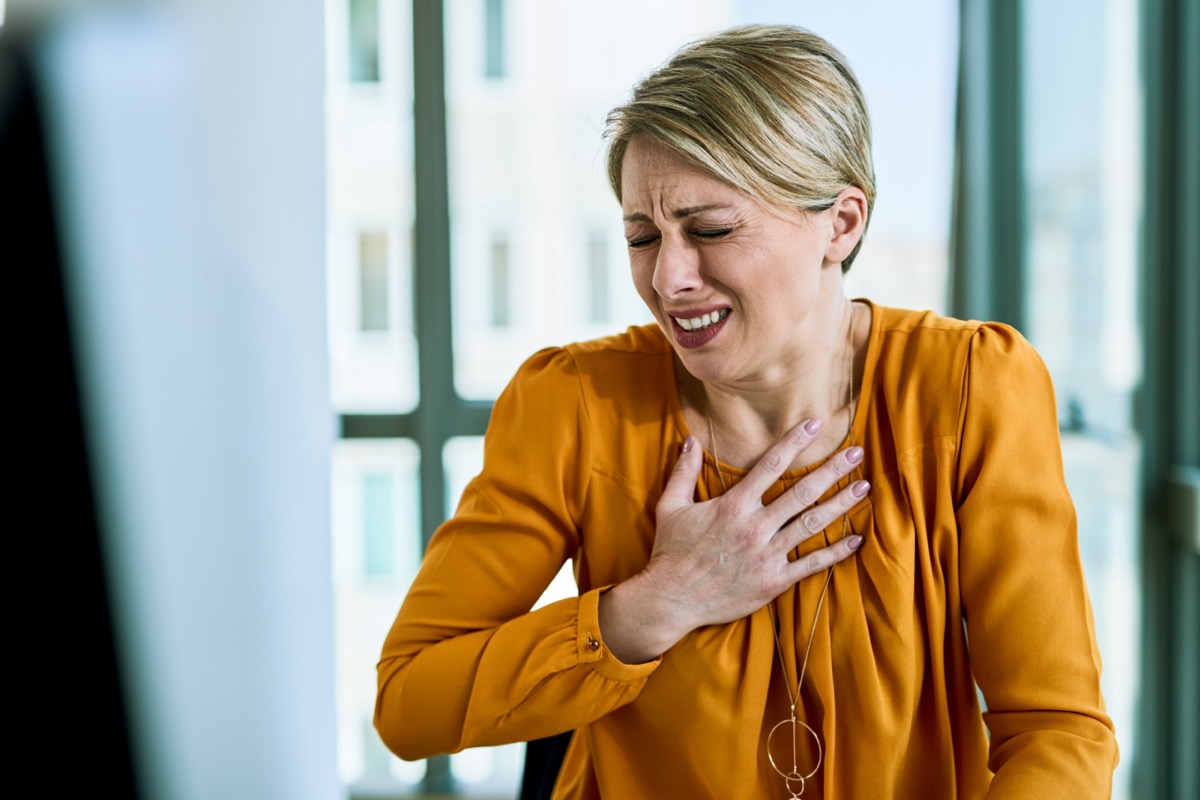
[
  {"x": 688, "y": 443},
  {"x": 854, "y": 542},
  {"x": 812, "y": 426},
  {"x": 854, "y": 454},
  {"x": 860, "y": 488}
]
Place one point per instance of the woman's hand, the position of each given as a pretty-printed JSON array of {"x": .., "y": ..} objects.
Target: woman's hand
[{"x": 722, "y": 559}]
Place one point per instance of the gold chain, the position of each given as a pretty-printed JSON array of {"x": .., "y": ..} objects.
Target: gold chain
[{"x": 794, "y": 775}]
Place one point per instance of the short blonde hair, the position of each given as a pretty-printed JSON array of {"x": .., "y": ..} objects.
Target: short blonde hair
[{"x": 774, "y": 110}]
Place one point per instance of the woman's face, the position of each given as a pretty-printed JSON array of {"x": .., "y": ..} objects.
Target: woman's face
[{"x": 737, "y": 287}]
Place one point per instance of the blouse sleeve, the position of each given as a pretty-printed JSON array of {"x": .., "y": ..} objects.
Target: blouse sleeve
[
  {"x": 466, "y": 662},
  {"x": 1030, "y": 632}
]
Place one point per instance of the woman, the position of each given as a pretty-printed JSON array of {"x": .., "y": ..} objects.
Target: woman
[{"x": 787, "y": 511}]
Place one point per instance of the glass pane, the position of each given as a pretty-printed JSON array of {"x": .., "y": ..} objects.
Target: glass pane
[
  {"x": 373, "y": 366},
  {"x": 906, "y": 59},
  {"x": 363, "y": 40},
  {"x": 374, "y": 282},
  {"x": 493, "y": 45},
  {"x": 1082, "y": 187},
  {"x": 376, "y": 550},
  {"x": 379, "y": 524},
  {"x": 536, "y": 236}
]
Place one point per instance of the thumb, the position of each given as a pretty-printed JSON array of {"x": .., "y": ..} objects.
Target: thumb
[{"x": 681, "y": 485}]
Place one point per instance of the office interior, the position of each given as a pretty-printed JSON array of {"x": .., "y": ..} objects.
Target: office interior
[{"x": 274, "y": 261}]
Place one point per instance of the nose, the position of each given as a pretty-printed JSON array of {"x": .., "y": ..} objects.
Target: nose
[{"x": 676, "y": 268}]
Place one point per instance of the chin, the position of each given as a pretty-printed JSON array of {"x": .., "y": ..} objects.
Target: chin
[{"x": 707, "y": 368}]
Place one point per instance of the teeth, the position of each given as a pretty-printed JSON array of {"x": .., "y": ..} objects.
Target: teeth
[{"x": 703, "y": 321}]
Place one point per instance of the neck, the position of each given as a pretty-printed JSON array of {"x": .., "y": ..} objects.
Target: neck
[{"x": 750, "y": 415}]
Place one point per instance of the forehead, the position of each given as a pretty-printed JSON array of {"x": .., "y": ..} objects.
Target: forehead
[{"x": 653, "y": 174}]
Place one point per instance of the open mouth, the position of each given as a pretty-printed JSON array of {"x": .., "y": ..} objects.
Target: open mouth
[{"x": 692, "y": 332}]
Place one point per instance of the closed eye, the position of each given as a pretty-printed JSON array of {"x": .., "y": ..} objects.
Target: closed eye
[
  {"x": 714, "y": 233},
  {"x": 642, "y": 241}
]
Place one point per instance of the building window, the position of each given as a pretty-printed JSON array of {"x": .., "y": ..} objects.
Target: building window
[
  {"x": 501, "y": 279},
  {"x": 374, "y": 305},
  {"x": 378, "y": 519},
  {"x": 493, "y": 38},
  {"x": 364, "y": 41},
  {"x": 597, "y": 260}
]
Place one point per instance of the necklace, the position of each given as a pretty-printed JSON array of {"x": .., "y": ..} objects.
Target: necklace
[{"x": 794, "y": 776}]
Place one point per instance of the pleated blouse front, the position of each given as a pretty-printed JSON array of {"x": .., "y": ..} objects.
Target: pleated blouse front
[{"x": 969, "y": 533}]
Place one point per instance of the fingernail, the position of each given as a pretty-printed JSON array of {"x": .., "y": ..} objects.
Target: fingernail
[
  {"x": 812, "y": 426},
  {"x": 854, "y": 542},
  {"x": 860, "y": 488},
  {"x": 688, "y": 443},
  {"x": 854, "y": 454}
]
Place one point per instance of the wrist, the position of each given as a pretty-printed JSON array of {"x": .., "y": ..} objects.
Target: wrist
[{"x": 638, "y": 622}]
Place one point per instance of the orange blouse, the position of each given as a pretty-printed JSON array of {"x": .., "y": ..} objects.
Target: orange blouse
[{"x": 969, "y": 534}]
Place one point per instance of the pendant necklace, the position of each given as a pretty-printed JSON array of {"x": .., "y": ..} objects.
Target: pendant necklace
[{"x": 795, "y": 780}]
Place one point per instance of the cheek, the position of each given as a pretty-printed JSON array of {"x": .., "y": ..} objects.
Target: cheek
[{"x": 641, "y": 269}]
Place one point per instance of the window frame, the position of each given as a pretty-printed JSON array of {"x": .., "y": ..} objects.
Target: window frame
[{"x": 987, "y": 275}]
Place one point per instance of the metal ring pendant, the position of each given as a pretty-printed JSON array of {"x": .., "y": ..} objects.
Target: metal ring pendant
[{"x": 793, "y": 775}]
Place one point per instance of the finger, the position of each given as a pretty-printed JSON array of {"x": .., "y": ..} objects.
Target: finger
[
  {"x": 823, "y": 559},
  {"x": 818, "y": 518},
  {"x": 809, "y": 489},
  {"x": 681, "y": 485},
  {"x": 775, "y": 461}
]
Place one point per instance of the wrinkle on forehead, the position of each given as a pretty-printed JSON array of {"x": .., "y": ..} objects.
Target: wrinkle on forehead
[
  {"x": 679, "y": 213},
  {"x": 672, "y": 187}
]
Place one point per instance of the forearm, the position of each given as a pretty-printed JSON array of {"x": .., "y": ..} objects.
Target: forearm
[
  {"x": 532, "y": 676},
  {"x": 1051, "y": 754}
]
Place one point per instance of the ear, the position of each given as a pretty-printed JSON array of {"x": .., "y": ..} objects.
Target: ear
[{"x": 849, "y": 215}]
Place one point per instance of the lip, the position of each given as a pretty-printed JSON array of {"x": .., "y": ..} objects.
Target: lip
[
  {"x": 690, "y": 340},
  {"x": 692, "y": 312}
]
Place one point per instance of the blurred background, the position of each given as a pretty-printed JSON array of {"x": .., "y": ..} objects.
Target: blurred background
[{"x": 274, "y": 261}]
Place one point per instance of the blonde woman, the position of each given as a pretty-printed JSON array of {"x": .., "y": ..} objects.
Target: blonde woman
[{"x": 804, "y": 528}]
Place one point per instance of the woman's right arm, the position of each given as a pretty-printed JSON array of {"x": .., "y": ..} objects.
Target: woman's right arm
[{"x": 466, "y": 662}]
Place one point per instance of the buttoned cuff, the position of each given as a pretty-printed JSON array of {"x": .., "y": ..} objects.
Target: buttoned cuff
[{"x": 589, "y": 645}]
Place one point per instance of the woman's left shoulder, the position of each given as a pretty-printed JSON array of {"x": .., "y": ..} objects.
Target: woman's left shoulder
[
  {"x": 925, "y": 366},
  {"x": 928, "y": 343}
]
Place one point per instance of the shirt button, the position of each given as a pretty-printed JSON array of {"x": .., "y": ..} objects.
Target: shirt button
[{"x": 592, "y": 644}]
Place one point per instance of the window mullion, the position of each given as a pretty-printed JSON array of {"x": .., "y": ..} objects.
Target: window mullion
[
  {"x": 431, "y": 276},
  {"x": 987, "y": 252}
]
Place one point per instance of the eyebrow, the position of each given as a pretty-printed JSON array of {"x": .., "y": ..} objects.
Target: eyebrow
[{"x": 679, "y": 213}]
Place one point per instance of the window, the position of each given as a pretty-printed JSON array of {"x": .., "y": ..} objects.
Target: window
[
  {"x": 374, "y": 305},
  {"x": 374, "y": 513},
  {"x": 369, "y": 226},
  {"x": 364, "y": 41},
  {"x": 501, "y": 291},
  {"x": 379, "y": 525},
  {"x": 1072, "y": 223},
  {"x": 493, "y": 42}
]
